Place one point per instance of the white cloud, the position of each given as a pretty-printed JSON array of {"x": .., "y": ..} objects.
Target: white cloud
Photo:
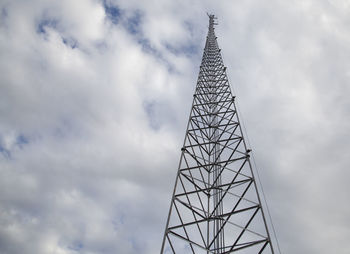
[{"x": 93, "y": 114}]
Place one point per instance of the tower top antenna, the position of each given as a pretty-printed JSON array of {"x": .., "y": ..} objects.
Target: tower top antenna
[{"x": 212, "y": 17}]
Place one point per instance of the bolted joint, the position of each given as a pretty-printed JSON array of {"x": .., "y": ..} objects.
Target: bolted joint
[
  {"x": 183, "y": 149},
  {"x": 233, "y": 98},
  {"x": 247, "y": 153}
]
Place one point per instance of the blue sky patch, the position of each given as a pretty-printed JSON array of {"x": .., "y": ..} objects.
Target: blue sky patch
[
  {"x": 46, "y": 22},
  {"x": 118, "y": 16},
  {"x": 21, "y": 140},
  {"x": 54, "y": 23},
  {"x": 113, "y": 13},
  {"x": 132, "y": 24},
  {"x": 76, "y": 246},
  {"x": 6, "y": 153},
  {"x": 146, "y": 46},
  {"x": 70, "y": 42}
]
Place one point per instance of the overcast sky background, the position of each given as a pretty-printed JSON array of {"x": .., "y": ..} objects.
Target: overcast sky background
[{"x": 94, "y": 101}]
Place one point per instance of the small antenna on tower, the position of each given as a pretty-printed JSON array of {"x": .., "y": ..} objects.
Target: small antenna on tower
[{"x": 211, "y": 18}]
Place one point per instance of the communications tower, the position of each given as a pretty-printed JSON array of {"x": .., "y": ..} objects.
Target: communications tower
[{"x": 215, "y": 207}]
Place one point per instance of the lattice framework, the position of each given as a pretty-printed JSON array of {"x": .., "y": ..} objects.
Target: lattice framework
[{"x": 215, "y": 206}]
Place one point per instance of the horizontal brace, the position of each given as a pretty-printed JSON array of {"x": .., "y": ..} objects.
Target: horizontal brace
[
  {"x": 236, "y": 211},
  {"x": 189, "y": 241},
  {"x": 210, "y": 103},
  {"x": 220, "y": 125},
  {"x": 212, "y": 164},
  {"x": 212, "y": 93},
  {"x": 217, "y": 142},
  {"x": 243, "y": 247},
  {"x": 209, "y": 189},
  {"x": 216, "y": 114}
]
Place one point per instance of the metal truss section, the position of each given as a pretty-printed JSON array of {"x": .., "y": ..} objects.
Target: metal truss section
[{"x": 215, "y": 206}]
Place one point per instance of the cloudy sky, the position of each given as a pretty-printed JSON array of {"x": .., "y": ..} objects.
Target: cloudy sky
[{"x": 94, "y": 101}]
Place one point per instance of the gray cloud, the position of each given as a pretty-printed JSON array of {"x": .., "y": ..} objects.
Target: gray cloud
[{"x": 94, "y": 101}]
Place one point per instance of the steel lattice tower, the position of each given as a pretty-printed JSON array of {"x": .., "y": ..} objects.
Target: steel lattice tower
[{"x": 215, "y": 206}]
